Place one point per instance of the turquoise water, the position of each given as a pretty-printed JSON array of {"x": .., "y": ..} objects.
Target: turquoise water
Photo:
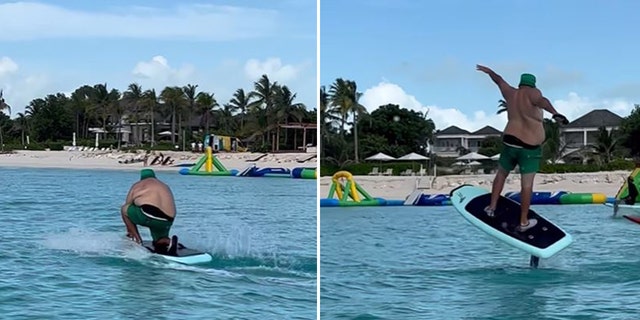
[
  {"x": 63, "y": 253},
  {"x": 430, "y": 263}
]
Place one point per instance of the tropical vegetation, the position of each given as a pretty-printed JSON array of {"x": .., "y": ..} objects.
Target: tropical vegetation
[
  {"x": 349, "y": 134},
  {"x": 186, "y": 113}
]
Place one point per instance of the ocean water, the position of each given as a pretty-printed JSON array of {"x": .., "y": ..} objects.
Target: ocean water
[
  {"x": 430, "y": 263},
  {"x": 63, "y": 252}
]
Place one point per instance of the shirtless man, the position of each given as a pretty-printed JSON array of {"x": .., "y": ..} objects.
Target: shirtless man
[
  {"x": 150, "y": 203},
  {"x": 522, "y": 139}
]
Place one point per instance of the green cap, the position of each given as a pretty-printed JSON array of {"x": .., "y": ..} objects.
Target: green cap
[
  {"x": 527, "y": 79},
  {"x": 147, "y": 173}
]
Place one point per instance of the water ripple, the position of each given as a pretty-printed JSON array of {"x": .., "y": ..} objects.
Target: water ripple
[
  {"x": 68, "y": 258},
  {"x": 430, "y": 263}
]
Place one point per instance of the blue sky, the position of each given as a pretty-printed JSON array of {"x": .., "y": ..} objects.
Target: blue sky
[
  {"x": 56, "y": 46},
  {"x": 422, "y": 54}
]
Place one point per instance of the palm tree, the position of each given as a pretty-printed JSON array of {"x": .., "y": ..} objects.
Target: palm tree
[
  {"x": 344, "y": 96},
  {"x": 553, "y": 147},
  {"x": 502, "y": 106},
  {"x": 103, "y": 100},
  {"x": 150, "y": 101},
  {"x": 286, "y": 109},
  {"x": 3, "y": 106},
  {"x": 173, "y": 97},
  {"x": 240, "y": 101},
  {"x": 190, "y": 95},
  {"x": 340, "y": 99},
  {"x": 205, "y": 104},
  {"x": 606, "y": 143},
  {"x": 81, "y": 105},
  {"x": 21, "y": 123},
  {"x": 263, "y": 105},
  {"x": 133, "y": 98}
]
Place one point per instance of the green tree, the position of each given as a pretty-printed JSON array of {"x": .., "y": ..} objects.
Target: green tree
[
  {"x": 404, "y": 130},
  {"x": 630, "y": 130},
  {"x": 553, "y": 147},
  {"x": 490, "y": 146},
  {"x": 3, "y": 106},
  {"x": 606, "y": 143},
  {"x": 205, "y": 104}
]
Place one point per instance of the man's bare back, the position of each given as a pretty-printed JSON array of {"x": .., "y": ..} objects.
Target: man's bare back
[
  {"x": 525, "y": 114},
  {"x": 156, "y": 193}
]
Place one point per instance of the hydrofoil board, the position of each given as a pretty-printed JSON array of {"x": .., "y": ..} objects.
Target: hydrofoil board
[
  {"x": 542, "y": 241},
  {"x": 184, "y": 255}
]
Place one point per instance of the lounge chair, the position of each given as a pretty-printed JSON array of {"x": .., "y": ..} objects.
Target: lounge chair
[{"x": 374, "y": 171}]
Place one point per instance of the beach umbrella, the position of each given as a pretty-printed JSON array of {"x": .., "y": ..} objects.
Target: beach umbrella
[
  {"x": 380, "y": 157},
  {"x": 495, "y": 157},
  {"x": 413, "y": 157},
  {"x": 474, "y": 163},
  {"x": 458, "y": 163},
  {"x": 472, "y": 156},
  {"x": 166, "y": 133}
]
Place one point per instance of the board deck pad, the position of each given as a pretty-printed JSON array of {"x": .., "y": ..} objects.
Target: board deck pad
[
  {"x": 543, "y": 240},
  {"x": 182, "y": 250},
  {"x": 507, "y": 218}
]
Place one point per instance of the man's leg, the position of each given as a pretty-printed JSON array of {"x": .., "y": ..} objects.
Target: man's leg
[
  {"x": 505, "y": 164},
  {"x": 132, "y": 229},
  {"x": 529, "y": 162},
  {"x": 526, "y": 191},
  {"x": 497, "y": 186},
  {"x": 160, "y": 234}
]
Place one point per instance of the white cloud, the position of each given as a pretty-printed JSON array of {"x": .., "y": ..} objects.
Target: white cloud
[
  {"x": 572, "y": 106},
  {"x": 7, "y": 67},
  {"x": 33, "y": 20},
  {"x": 272, "y": 67},
  {"x": 18, "y": 91},
  {"x": 157, "y": 71}
]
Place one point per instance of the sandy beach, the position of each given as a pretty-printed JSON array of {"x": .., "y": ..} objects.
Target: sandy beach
[
  {"x": 399, "y": 187},
  {"x": 116, "y": 160}
]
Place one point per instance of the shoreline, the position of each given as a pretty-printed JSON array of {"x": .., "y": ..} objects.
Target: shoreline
[
  {"x": 113, "y": 160},
  {"x": 399, "y": 187}
]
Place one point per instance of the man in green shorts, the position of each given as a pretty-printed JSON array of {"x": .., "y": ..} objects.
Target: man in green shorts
[
  {"x": 522, "y": 139},
  {"x": 150, "y": 203}
]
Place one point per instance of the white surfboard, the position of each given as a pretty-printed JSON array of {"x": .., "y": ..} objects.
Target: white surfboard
[
  {"x": 542, "y": 241},
  {"x": 184, "y": 254}
]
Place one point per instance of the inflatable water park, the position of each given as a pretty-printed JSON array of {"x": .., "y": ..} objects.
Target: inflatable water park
[
  {"x": 346, "y": 192},
  {"x": 209, "y": 165}
]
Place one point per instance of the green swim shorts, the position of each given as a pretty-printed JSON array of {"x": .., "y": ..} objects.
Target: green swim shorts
[
  {"x": 527, "y": 159},
  {"x": 158, "y": 227}
]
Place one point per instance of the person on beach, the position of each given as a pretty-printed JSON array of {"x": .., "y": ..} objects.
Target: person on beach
[
  {"x": 630, "y": 199},
  {"x": 150, "y": 203},
  {"x": 522, "y": 139}
]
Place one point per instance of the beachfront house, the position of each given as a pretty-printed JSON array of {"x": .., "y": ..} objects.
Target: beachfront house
[
  {"x": 583, "y": 131},
  {"x": 578, "y": 134},
  {"x": 449, "y": 141}
]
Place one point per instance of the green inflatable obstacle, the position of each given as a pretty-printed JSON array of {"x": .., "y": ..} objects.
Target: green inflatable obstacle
[{"x": 207, "y": 165}]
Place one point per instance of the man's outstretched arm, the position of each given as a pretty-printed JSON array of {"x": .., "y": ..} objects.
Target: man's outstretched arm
[
  {"x": 546, "y": 105},
  {"x": 505, "y": 88}
]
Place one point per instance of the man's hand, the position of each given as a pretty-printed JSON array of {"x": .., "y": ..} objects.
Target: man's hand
[
  {"x": 483, "y": 68},
  {"x": 560, "y": 119},
  {"x": 134, "y": 237}
]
